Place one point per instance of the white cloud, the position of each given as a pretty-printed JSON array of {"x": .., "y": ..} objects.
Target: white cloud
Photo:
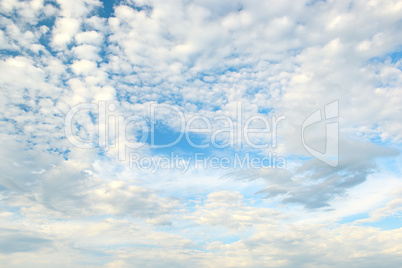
[
  {"x": 285, "y": 58},
  {"x": 86, "y": 52},
  {"x": 90, "y": 37},
  {"x": 64, "y": 32}
]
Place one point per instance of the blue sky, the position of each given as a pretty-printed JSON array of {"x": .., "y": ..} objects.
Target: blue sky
[{"x": 83, "y": 83}]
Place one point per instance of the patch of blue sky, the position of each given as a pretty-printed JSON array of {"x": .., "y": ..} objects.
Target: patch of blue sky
[
  {"x": 254, "y": 197},
  {"x": 211, "y": 76},
  {"x": 390, "y": 83},
  {"x": 389, "y": 223},
  {"x": 51, "y": 2},
  {"x": 164, "y": 135},
  {"x": 171, "y": 98},
  {"x": 6, "y": 53},
  {"x": 31, "y": 144},
  {"x": 18, "y": 129},
  {"x": 47, "y": 21},
  {"x": 191, "y": 203},
  {"x": 391, "y": 164},
  {"x": 251, "y": 91},
  {"x": 24, "y": 107},
  {"x": 130, "y": 94},
  {"x": 295, "y": 51},
  {"x": 355, "y": 217},
  {"x": 61, "y": 152},
  {"x": 191, "y": 143},
  {"x": 101, "y": 152},
  {"x": 124, "y": 96},
  {"x": 93, "y": 116},
  {"x": 11, "y": 120},
  {"x": 14, "y": 210},
  {"x": 104, "y": 54},
  {"x": 218, "y": 70},
  {"x": 394, "y": 56},
  {"x": 202, "y": 105},
  {"x": 229, "y": 239},
  {"x": 208, "y": 78},
  {"x": 107, "y": 8},
  {"x": 264, "y": 110},
  {"x": 44, "y": 40},
  {"x": 235, "y": 69}
]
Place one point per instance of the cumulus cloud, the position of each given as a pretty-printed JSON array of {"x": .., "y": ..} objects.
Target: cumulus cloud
[{"x": 287, "y": 58}]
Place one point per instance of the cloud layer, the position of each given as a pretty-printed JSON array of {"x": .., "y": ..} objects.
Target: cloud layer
[{"x": 71, "y": 207}]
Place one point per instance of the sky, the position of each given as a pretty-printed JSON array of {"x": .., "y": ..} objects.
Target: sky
[{"x": 189, "y": 133}]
